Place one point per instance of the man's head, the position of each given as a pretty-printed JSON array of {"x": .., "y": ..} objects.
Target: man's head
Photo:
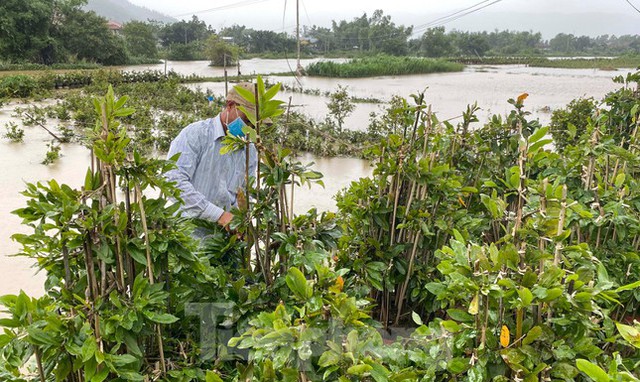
[{"x": 234, "y": 101}]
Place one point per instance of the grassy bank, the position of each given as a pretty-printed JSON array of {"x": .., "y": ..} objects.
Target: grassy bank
[
  {"x": 382, "y": 66},
  {"x": 565, "y": 63},
  {"x": 4, "y": 67},
  {"x": 24, "y": 67},
  {"x": 40, "y": 83}
]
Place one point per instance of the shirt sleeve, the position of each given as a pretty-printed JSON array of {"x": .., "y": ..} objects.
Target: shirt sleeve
[{"x": 195, "y": 205}]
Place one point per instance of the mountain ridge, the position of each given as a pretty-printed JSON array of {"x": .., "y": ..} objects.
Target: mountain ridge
[{"x": 122, "y": 11}]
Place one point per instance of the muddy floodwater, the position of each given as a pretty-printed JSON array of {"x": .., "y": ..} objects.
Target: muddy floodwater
[{"x": 449, "y": 94}]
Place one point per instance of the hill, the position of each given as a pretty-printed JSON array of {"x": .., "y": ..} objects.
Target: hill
[{"x": 122, "y": 11}]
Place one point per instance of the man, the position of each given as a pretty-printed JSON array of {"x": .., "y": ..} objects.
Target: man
[{"x": 209, "y": 180}]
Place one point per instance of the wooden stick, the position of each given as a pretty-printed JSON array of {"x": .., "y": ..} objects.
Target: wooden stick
[
  {"x": 143, "y": 219},
  {"x": 44, "y": 127},
  {"x": 561, "y": 218}
]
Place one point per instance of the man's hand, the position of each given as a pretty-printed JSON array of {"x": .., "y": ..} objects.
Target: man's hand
[{"x": 225, "y": 219}]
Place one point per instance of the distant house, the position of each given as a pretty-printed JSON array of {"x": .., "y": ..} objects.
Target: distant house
[{"x": 114, "y": 27}]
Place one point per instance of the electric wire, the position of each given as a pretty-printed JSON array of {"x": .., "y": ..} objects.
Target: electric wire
[
  {"x": 633, "y": 6},
  {"x": 453, "y": 17},
  {"x": 223, "y": 7},
  {"x": 455, "y": 13},
  {"x": 440, "y": 21}
]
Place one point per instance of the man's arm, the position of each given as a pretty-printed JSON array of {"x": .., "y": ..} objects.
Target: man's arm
[{"x": 188, "y": 144}]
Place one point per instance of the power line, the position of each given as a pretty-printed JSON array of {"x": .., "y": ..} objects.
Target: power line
[
  {"x": 223, "y": 7},
  {"x": 454, "y": 16},
  {"x": 440, "y": 21},
  {"x": 633, "y": 6},
  {"x": 455, "y": 13}
]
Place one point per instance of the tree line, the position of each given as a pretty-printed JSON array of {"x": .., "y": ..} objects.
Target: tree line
[{"x": 60, "y": 31}]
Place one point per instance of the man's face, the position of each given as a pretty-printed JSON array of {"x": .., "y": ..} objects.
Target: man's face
[{"x": 235, "y": 112}]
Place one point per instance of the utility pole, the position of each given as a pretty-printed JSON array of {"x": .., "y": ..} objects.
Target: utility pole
[{"x": 299, "y": 69}]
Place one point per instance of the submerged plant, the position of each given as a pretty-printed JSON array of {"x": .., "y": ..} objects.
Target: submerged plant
[
  {"x": 13, "y": 132},
  {"x": 52, "y": 154}
]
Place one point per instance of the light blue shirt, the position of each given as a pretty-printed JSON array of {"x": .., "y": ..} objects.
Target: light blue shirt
[{"x": 209, "y": 180}]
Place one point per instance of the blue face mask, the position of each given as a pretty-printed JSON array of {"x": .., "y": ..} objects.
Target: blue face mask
[{"x": 235, "y": 127}]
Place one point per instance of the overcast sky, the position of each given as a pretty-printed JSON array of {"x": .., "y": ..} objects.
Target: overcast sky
[{"x": 591, "y": 17}]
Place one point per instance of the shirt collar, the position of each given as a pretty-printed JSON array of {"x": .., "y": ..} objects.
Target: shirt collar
[{"x": 218, "y": 130}]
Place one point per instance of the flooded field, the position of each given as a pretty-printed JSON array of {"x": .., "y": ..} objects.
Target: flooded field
[{"x": 449, "y": 94}]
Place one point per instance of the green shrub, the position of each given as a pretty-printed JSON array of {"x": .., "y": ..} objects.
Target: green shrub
[
  {"x": 14, "y": 133},
  {"x": 18, "y": 86},
  {"x": 569, "y": 123},
  {"x": 381, "y": 66}
]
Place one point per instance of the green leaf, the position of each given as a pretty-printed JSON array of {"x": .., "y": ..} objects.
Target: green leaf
[
  {"x": 298, "y": 284},
  {"x": 458, "y": 365},
  {"x": 490, "y": 205},
  {"x": 538, "y": 134},
  {"x": 88, "y": 180},
  {"x": 89, "y": 349},
  {"x": 526, "y": 297},
  {"x": 533, "y": 335},
  {"x": 359, "y": 369},
  {"x": 101, "y": 376},
  {"x": 630, "y": 333},
  {"x": 631, "y": 286},
  {"x": 161, "y": 318},
  {"x": 619, "y": 180},
  {"x": 593, "y": 371},
  {"x": 536, "y": 146},
  {"x": 212, "y": 377},
  {"x": 132, "y": 344},
  {"x": 460, "y": 315},
  {"x": 451, "y": 326},
  {"x": 40, "y": 337},
  {"x": 328, "y": 358},
  {"x": 416, "y": 318}
]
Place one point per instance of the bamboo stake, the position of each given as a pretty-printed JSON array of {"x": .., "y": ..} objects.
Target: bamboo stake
[
  {"x": 38, "y": 355},
  {"x": 561, "y": 218},
  {"x": 405, "y": 285},
  {"x": 127, "y": 260},
  {"x": 293, "y": 187},
  {"x": 521, "y": 186},
  {"x": 34, "y": 120},
  {"x": 143, "y": 218},
  {"x": 541, "y": 242},
  {"x": 65, "y": 261},
  {"x": 483, "y": 337}
]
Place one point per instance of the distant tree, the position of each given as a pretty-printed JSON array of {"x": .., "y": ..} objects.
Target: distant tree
[
  {"x": 240, "y": 35},
  {"x": 386, "y": 37},
  {"x": 472, "y": 44},
  {"x": 262, "y": 41},
  {"x": 25, "y": 28},
  {"x": 352, "y": 34},
  {"x": 323, "y": 36},
  {"x": 220, "y": 52},
  {"x": 340, "y": 106},
  {"x": 563, "y": 43},
  {"x": 185, "y": 32},
  {"x": 140, "y": 39},
  {"x": 435, "y": 43},
  {"x": 186, "y": 52},
  {"x": 583, "y": 44},
  {"x": 86, "y": 36}
]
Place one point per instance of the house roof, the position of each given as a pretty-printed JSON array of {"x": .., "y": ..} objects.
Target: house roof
[{"x": 114, "y": 25}]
